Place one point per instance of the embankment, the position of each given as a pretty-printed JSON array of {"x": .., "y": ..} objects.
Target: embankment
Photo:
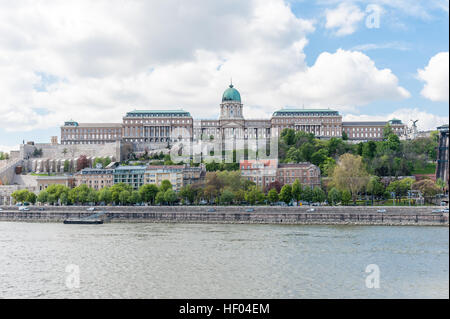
[{"x": 239, "y": 214}]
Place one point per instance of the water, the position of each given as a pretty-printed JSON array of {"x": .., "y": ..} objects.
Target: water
[{"x": 222, "y": 261}]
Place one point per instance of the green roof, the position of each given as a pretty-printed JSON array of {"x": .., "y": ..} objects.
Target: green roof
[
  {"x": 137, "y": 113},
  {"x": 231, "y": 94},
  {"x": 291, "y": 111}
]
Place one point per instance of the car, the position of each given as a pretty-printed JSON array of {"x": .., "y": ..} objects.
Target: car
[
  {"x": 23, "y": 209},
  {"x": 443, "y": 210},
  {"x": 1, "y": 209},
  {"x": 310, "y": 210},
  {"x": 381, "y": 211},
  {"x": 90, "y": 209},
  {"x": 211, "y": 210},
  {"x": 41, "y": 209},
  {"x": 249, "y": 210}
]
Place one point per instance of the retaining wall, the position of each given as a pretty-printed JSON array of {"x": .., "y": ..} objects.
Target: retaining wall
[{"x": 238, "y": 214}]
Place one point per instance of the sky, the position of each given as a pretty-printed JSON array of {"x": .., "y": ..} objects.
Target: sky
[{"x": 93, "y": 61}]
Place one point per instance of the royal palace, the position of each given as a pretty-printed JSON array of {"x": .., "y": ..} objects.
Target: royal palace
[{"x": 155, "y": 129}]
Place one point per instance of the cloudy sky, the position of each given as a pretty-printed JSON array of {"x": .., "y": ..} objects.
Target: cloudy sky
[{"x": 92, "y": 61}]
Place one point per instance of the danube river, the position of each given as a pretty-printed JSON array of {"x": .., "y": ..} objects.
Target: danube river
[{"x": 39, "y": 260}]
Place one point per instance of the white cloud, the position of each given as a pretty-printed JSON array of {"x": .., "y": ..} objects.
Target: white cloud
[
  {"x": 427, "y": 121},
  {"x": 435, "y": 75},
  {"x": 343, "y": 80},
  {"x": 8, "y": 148},
  {"x": 344, "y": 19},
  {"x": 95, "y": 61},
  {"x": 378, "y": 46}
]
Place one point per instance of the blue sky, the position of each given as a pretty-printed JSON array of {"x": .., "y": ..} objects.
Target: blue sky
[{"x": 90, "y": 62}]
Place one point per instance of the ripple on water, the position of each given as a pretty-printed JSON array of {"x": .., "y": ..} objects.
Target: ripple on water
[{"x": 222, "y": 261}]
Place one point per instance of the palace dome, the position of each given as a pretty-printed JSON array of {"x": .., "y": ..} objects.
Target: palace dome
[{"x": 231, "y": 94}]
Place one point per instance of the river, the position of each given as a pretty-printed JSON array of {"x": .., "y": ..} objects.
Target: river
[{"x": 124, "y": 260}]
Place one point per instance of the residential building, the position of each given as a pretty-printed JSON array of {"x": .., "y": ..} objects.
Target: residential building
[
  {"x": 43, "y": 182},
  {"x": 131, "y": 175},
  {"x": 177, "y": 175},
  {"x": 261, "y": 172},
  {"x": 308, "y": 174},
  {"x": 265, "y": 172},
  {"x": 95, "y": 178}
]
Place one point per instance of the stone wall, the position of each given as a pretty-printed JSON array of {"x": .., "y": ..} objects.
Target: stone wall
[
  {"x": 7, "y": 172},
  {"x": 239, "y": 214}
]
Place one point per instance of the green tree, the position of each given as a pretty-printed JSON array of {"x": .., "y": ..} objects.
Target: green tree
[
  {"x": 254, "y": 195},
  {"x": 319, "y": 195},
  {"x": 272, "y": 196},
  {"x": 125, "y": 197},
  {"x": 187, "y": 193},
  {"x": 375, "y": 187},
  {"x": 165, "y": 185},
  {"x": 286, "y": 193},
  {"x": 344, "y": 136},
  {"x": 20, "y": 196},
  {"x": 350, "y": 174},
  {"x": 42, "y": 197},
  {"x": 227, "y": 197},
  {"x": 387, "y": 130},
  {"x": 307, "y": 194},
  {"x": 297, "y": 190},
  {"x": 159, "y": 199},
  {"x": 369, "y": 150},
  {"x": 105, "y": 195},
  {"x": 170, "y": 196},
  {"x": 334, "y": 196},
  {"x": 346, "y": 197},
  {"x": 148, "y": 193},
  {"x": 135, "y": 197}
]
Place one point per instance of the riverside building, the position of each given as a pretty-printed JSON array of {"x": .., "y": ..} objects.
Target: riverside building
[{"x": 265, "y": 172}]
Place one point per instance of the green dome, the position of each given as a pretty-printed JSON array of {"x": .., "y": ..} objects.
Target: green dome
[{"x": 231, "y": 94}]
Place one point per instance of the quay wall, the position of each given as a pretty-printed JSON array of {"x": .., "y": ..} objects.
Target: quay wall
[{"x": 238, "y": 214}]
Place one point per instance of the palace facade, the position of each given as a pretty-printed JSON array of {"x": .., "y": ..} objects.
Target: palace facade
[{"x": 154, "y": 129}]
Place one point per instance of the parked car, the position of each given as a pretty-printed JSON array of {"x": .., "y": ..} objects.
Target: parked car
[
  {"x": 211, "y": 210},
  {"x": 90, "y": 209},
  {"x": 381, "y": 211},
  {"x": 310, "y": 210},
  {"x": 442, "y": 210},
  {"x": 23, "y": 208},
  {"x": 41, "y": 208},
  {"x": 249, "y": 210},
  {"x": 1, "y": 209}
]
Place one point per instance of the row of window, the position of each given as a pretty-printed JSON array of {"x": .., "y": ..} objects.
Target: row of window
[{"x": 157, "y": 121}]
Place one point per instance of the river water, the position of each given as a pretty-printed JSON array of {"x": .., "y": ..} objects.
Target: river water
[{"x": 40, "y": 260}]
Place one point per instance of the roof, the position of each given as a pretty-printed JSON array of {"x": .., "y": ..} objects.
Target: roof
[
  {"x": 231, "y": 94},
  {"x": 294, "y": 165},
  {"x": 163, "y": 167},
  {"x": 363, "y": 123},
  {"x": 293, "y": 111},
  {"x": 130, "y": 167},
  {"x": 170, "y": 113},
  {"x": 108, "y": 125}
]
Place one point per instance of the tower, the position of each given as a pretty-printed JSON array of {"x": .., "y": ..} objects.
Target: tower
[{"x": 231, "y": 106}]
